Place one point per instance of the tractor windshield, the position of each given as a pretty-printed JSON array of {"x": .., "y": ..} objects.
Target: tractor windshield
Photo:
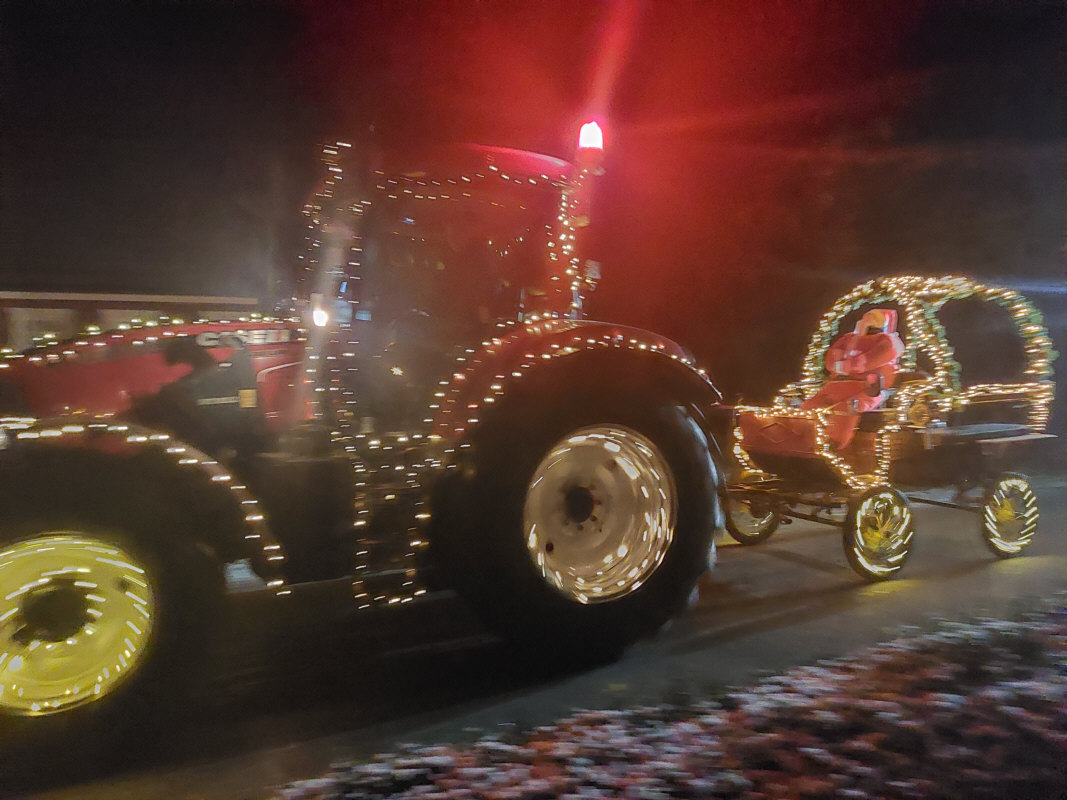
[
  {"x": 459, "y": 263},
  {"x": 456, "y": 246}
]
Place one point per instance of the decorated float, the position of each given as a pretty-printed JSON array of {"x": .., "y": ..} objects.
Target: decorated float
[{"x": 883, "y": 413}]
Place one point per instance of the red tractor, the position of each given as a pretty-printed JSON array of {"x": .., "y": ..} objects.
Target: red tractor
[{"x": 437, "y": 414}]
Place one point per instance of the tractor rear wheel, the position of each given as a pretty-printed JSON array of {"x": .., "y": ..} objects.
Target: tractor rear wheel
[{"x": 584, "y": 526}]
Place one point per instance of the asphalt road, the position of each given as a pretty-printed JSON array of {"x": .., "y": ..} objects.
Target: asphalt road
[{"x": 300, "y": 692}]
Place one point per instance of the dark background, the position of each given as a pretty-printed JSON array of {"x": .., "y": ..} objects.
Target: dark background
[{"x": 762, "y": 157}]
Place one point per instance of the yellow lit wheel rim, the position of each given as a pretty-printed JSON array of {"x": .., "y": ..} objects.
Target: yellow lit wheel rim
[
  {"x": 750, "y": 520},
  {"x": 76, "y": 614},
  {"x": 600, "y": 513},
  {"x": 1010, "y": 515},
  {"x": 747, "y": 520},
  {"x": 880, "y": 535}
]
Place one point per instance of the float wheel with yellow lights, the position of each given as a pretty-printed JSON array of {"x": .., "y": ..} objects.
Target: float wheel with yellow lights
[
  {"x": 583, "y": 526},
  {"x": 103, "y": 618},
  {"x": 751, "y": 520},
  {"x": 1009, "y": 515},
  {"x": 878, "y": 529}
]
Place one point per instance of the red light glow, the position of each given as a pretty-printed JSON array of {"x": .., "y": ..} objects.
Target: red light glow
[{"x": 591, "y": 137}]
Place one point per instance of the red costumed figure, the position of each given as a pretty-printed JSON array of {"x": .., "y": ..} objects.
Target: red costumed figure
[{"x": 862, "y": 365}]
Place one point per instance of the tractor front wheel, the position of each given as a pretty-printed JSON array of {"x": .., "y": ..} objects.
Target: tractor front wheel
[{"x": 103, "y": 619}]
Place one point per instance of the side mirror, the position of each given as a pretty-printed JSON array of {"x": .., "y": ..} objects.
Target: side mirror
[
  {"x": 591, "y": 273},
  {"x": 352, "y": 290}
]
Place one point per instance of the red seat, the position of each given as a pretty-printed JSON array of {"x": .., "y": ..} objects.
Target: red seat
[{"x": 863, "y": 365}]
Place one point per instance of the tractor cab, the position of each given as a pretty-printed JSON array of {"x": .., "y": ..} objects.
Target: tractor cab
[{"x": 413, "y": 260}]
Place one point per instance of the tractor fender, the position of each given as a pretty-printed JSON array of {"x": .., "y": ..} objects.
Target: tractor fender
[
  {"x": 509, "y": 384},
  {"x": 539, "y": 361},
  {"x": 103, "y": 461},
  {"x": 536, "y": 356}
]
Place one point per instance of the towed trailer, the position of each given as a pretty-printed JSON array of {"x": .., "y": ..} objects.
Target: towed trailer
[{"x": 882, "y": 415}]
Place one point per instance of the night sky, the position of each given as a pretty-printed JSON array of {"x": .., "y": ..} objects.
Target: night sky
[{"x": 762, "y": 156}]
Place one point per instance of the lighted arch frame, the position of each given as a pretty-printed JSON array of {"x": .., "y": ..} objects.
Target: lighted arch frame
[{"x": 921, "y": 298}]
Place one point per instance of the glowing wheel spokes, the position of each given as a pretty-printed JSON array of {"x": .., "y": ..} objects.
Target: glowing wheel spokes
[
  {"x": 878, "y": 533},
  {"x": 600, "y": 513},
  {"x": 1009, "y": 515}
]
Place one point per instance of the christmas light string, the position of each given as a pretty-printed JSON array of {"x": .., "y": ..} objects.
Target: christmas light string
[{"x": 916, "y": 403}]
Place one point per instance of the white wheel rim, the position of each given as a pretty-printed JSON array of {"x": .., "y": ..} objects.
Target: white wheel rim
[
  {"x": 600, "y": 513},
  {"x": 1010, "y": 515},
  {"x": 76, "y": 614},
  {"x": 745, "y": 522},
  {"x": 881, "y": 534}
]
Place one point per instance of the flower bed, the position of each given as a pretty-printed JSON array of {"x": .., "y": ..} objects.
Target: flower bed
[{"x": 970, "y": 711}]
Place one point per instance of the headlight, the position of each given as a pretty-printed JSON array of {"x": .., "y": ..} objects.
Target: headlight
[{"x": 10, "y": 424}]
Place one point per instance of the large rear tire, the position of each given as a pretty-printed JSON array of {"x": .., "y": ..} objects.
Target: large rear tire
[
  {"x": 582, "y": 526},
  {"x": 104, "y": 618}
]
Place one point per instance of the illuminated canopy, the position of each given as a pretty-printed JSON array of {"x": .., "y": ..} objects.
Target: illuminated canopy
[
  {"x": 920, "y": 299},
  {"x": 926, "y": 397}
]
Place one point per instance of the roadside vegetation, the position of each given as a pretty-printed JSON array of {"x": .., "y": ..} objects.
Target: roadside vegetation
[{"x": 969, "y": 710}]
